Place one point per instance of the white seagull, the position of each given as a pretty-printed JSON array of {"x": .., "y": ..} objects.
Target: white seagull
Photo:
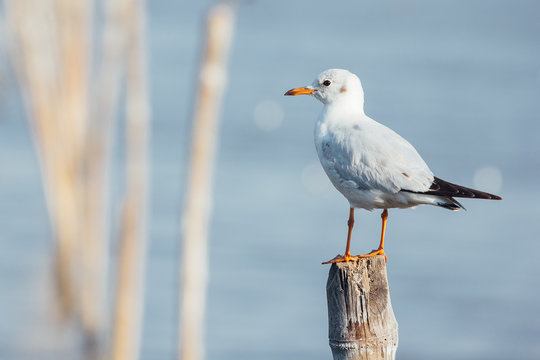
[{"x": 370, "y": 164}]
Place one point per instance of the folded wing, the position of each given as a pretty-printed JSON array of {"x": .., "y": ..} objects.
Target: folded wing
[{"x": 373, "y": 157}]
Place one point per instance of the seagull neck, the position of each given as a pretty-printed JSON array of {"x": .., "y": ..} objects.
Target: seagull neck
[{"x": 345, "y": 106}]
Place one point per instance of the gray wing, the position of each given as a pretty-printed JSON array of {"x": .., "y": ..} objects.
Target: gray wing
[{"x": 372, "y": 156}]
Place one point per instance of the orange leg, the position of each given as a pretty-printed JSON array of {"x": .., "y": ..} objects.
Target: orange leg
[
  {"x": 347, "y": 256},
  {"x": 380, "y": 250}
]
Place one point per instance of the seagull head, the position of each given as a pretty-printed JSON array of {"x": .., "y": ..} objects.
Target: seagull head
[{"x": 332, "y": 86}]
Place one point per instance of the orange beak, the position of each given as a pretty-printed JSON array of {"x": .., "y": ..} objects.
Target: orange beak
[{"x": 300, "y": 91}]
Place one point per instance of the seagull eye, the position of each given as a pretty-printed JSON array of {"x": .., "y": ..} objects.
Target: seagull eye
[{"x": 326, "y": 82}]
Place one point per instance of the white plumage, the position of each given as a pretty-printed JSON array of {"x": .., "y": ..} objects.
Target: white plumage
[{"x": 370, "y": 164}]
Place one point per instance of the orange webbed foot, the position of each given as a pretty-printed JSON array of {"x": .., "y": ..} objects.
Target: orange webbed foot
[
  {"x": 340, "y": 258},
  {"x": 373, "y": 253}
]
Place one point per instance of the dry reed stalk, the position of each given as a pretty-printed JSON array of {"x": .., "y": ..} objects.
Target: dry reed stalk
[
  {"x": 130, "y": 277},
  {"x": 212, "y": 80},
  {"x": 38, "y": 58},
  {"x": 94, "y": 246},
  {"x": 52, "y": 53},
  {"x": 74, "y": 19}
]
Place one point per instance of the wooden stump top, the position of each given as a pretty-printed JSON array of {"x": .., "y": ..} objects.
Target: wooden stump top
[{"x": 361, "y": 321}]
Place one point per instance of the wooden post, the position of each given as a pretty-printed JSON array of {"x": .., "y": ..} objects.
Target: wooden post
[{"x": 362, "y": 325}]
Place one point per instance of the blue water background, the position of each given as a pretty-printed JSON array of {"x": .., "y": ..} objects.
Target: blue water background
[{"x": 459, "y": 79}]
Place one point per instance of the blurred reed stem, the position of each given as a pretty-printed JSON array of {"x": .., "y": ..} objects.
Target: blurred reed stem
[
  {"x": 71, "y": 116},
  {"x": 55, "y": 91},
  {"x": 105, "y": 98},
  {"x": 196, "y": 218},
  {"x": 132, "y": 255}
]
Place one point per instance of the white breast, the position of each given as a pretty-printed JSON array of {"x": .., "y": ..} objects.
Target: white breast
[{"x": 369, "y": 163}]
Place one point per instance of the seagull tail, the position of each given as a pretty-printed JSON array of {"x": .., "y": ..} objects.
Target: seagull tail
[{"x": 450, "y": 204}]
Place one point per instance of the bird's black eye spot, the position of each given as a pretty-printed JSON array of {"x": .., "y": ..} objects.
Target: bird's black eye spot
[{"x": 326, "y": 82}]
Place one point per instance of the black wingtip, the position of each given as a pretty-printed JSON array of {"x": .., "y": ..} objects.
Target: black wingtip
[{"x": 444, "y": 188}]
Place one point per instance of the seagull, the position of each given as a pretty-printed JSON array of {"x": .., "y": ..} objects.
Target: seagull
[{"x": 370, "y": 164}]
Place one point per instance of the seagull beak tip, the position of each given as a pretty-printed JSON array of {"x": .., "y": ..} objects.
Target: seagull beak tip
[{"x": 300, "y": 91}]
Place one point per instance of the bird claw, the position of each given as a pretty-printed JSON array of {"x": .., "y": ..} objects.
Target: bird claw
[
  {"x": 348, "y": 257},
  {"x": 340, "y": 258},
  {"x": 374, "y": 253}
]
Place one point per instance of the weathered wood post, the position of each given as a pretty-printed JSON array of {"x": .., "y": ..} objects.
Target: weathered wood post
[{"x": 362, "y": 325}]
